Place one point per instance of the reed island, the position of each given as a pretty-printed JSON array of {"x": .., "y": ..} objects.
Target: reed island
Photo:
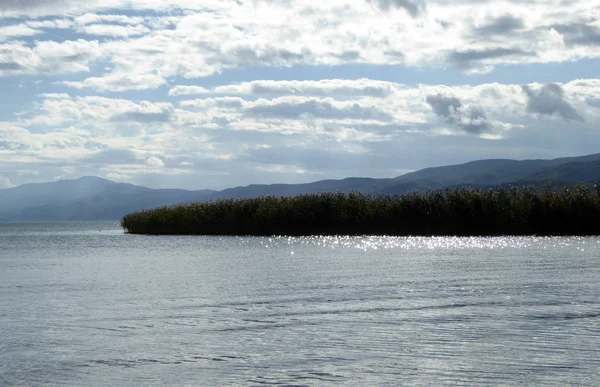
[{"x": 451, "y": 212}]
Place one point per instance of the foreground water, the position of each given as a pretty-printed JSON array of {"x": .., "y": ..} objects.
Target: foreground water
[{"x": 85, "y": 304}]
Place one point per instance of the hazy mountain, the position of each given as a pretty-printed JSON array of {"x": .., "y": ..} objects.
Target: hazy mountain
[
  {"x": 586, "y": 171},
  {"x": 492, "y": 172},
  {"x": 480, "y": 174},
  {"x": 87, "y": 198},
  {"x": 366, "y": 185},
  {"x": 93, "y": 198}
]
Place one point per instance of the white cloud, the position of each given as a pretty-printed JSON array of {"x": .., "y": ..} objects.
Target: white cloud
[
  {"x": 325, "y": 108},
  {"x": 549, "y": 100},
  {"x": 47, "y": 57},
  {"x": 38, "y": 8},
  {"x": 187, "y": 90},
  {"x": 155, "y": 162},
  {"x": 60, "y": 109},
  {"x": 50, "y": 24},
  {"x": 325, "y": 87},
  {"x": 190, "y": 39},
  {"x": 413, "y": 7},
  {"x": 114, "y": 30},
  {"x": 55, "y": 95},
  {"x": 5, "y": 183},
  {"x": 91, "y": 18},
  {"x": 41, "y": 8},
  {"x": 27, "y": 172},
  {"x": 16, "y": 31},
  {"x": 489, "y": 108},
  {"x": 219, "y": 136},
  {"x": 115, "y": 82},
  {"x": 219, "y": 102},
  {"x": 18, "y": 145}
]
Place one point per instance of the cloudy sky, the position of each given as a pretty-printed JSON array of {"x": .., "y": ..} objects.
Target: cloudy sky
[{"x": 214, "y": 94}]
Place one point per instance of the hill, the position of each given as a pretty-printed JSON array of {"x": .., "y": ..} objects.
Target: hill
[
  {"x": 87, "y": 198},
  {"x": 478, "y": 174}
]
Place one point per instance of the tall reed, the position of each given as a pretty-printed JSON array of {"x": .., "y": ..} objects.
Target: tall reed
[{"x": 460, "y": 212}]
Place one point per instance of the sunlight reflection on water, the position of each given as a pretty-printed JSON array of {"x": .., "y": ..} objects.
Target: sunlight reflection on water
[
  {"x": 368, "y": 243},
  {"x": 86, "y": 304}
]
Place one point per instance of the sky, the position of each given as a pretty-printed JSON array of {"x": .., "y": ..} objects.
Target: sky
[{"x": 209, "y": 94}]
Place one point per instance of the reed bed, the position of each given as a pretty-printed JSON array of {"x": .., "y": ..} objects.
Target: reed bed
[{"x": 451, "y": 212}]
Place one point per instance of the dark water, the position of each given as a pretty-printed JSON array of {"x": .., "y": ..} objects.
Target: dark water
[{"x": 84, "y": 304}]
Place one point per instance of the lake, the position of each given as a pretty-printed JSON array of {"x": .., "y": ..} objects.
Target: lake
[{"x": 86, "y": 304}]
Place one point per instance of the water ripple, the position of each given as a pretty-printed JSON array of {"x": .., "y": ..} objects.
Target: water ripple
[{"x": 82, "y": 307}]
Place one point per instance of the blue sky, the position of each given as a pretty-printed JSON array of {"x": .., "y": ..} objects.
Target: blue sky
[{"x": 216, "y": 94}]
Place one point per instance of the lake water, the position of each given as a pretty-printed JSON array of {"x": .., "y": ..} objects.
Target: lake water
[{"x": 86, "y": 304}]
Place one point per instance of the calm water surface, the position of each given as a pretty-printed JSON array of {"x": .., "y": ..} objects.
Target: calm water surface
[{"x": 85, "y": 304}]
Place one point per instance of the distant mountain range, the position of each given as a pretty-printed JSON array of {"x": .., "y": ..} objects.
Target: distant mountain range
[
  {"x": 87, "y": 198},
  {"x": 480, "y": 174},
  {"x": 94, "y": 198}
]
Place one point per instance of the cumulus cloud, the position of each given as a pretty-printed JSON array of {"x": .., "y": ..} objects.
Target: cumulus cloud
[
  {"x": 8, "y": 5},
  {"x": 55, "y": 95},
  {"x": 48, "y": 57},
  {"x": 40, "y": 8},
  {"x": 114, "y": 30},
  {"x": 5, "y": 182},
  {"x": 144, "y": 116},
  {"x": 35, "y": 8},
  {"x": 60, "y": 109},
  {"x": 146, "y": 112},
  {"x": 595, "y": 102},
  {"x": 413, "y": 7},
  {"x": 187, "y": 90},
  {"x": 469, "y": 59},
  {"x": 50, "y": 24},
  {"x": 325, "y": 87},
  {"x": 549, "y": 100},
  {"x": 155, "y": 162},
  {"x": 115, "y": 82},
  {"x": 501, "y": 26},
  {"x": 310, "y": 160},
  {"x": 577, "y": 33},
  {"x": 478, "y": 109},
  {"x": 111, "y": 157},
  {"x": 297, "y": 107},
  {"x": 189, "y": 39},
  {"x": 92, "y": 18},
  {"x": 19, "y": 145},
  {"x": 17, "y": 31},
  {"x": 219, "y": 102},
  {"x": 470, "y": 119}
]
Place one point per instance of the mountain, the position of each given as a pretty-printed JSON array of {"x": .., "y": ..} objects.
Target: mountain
[
  {"x": 480, "y": 174},
  {"x": 93, "y": 198},
  {"x": 366, "y": 185},
  {"x": 493, "y": 172},
  {"x": 87, "y": 198},
  {"x": 583, "y": 171}
]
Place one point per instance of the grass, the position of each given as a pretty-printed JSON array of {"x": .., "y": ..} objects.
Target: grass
[{"x": 456, "y": 212}]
